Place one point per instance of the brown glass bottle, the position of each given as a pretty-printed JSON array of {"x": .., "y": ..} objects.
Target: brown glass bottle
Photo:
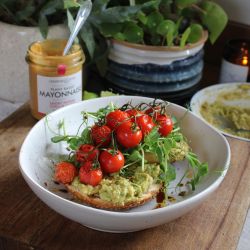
[{"x": 235, "y": 63}]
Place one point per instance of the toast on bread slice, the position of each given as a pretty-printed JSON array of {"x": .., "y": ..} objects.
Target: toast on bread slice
[{"x": 103, "y": 204}]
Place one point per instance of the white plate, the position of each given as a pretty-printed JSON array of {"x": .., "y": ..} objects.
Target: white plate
[
  {"x": 209, "y": 94},
  {"x": 36, "y": 169}
]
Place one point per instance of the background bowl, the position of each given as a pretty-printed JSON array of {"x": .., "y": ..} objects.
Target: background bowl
[
  {"x": 210, "y": 95},
  {"x": 37, "y": 168}
]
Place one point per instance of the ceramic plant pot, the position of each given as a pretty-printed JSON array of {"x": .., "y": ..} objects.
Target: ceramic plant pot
[
  {"x": 155, "y": 70},
  {"x": 14, "y": 42}
]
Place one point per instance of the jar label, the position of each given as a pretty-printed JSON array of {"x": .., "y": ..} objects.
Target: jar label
[
  {"x": 232, "y": 72},
  {"x": 57, "y": 92}
]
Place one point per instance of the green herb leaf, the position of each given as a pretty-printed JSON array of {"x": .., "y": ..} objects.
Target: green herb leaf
[
  {"x": 59, "y": 138},
  {"x": 200, "y": 169},
  {"x": 86, "y": 136}
]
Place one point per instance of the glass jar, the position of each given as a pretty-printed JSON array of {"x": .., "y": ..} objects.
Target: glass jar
[
  {"x": 235, "y": 63},
  {"x": 55, "y": 80}
]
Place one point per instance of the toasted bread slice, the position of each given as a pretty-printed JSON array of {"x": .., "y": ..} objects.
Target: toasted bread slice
[{"x": 99, "y": 203}]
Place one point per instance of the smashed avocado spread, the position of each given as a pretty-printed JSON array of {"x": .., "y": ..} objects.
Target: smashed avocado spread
[
  {"x": 120, "y": 190},
  {"x": 228, "y": 113}
]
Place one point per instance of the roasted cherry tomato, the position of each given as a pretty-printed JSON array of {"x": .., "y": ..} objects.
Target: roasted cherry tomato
[
  {"x": 145, "y": 123},
  {"x": 87, "y": 152},
  {"x": 111, "y": 160},
  {"x": 165, "y": 124},
  {"x": 101, "y": 135},
  {"x": 116, "y": 118},
  {"x": 65, "y": 172},
  {"x": 133, "y": 114},
  {"x": 90, "y": 175},
  {"x": 129, "y": 135}
]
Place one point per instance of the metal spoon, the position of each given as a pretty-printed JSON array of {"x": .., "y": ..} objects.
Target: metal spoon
[{"x": 82, "y": 15}]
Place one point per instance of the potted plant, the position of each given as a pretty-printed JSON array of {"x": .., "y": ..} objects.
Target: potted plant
[
  {"x": 155, "y": 47},
  {"x": 21, "y": 23}
]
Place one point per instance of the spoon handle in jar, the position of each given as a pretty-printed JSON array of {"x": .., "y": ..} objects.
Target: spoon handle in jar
[{"x": 82, "y": 15}]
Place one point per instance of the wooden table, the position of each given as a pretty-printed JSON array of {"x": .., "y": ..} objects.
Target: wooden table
[{"x": 27, "y": 223}]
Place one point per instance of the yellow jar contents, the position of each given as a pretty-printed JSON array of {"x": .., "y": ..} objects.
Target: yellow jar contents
[{"x": 55, "y": 80}]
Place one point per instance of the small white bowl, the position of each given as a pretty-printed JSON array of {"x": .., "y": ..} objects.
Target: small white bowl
[{"x": 36, "y": 168}]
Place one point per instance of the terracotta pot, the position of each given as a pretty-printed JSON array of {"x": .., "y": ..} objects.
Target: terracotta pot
[
  {"x": 14, "y": 41},
  {"x": 156, "y": 71}
]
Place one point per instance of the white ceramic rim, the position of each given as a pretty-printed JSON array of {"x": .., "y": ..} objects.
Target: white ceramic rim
[
  {"x": 196, "y": 102},
  {"x": 171, "y": 207},
  {"x": 130, "y": 54}
]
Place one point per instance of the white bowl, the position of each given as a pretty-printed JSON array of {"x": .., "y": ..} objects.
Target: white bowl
[{"x": 36, "y": 169}]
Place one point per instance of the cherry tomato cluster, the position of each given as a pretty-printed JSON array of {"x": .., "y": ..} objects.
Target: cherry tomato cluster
[{"x": 127, "y": 128}]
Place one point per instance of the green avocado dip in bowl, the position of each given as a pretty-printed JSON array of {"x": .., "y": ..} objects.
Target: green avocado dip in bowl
[{"x": 226, "y": 107}]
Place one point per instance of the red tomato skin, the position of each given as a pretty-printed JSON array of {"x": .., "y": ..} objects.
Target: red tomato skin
[
  {"x": 116, "y": 118},
  {"x": 127, "y": 136},
  {"x": 165, "y": 124},
  {"x": 134, "y": 114},
  {"x": 111, "y": 163},
  {"x": 101, "y": 135},
  {"x": 90, "y": 176},
  {"x": 65, "y": 172},
  {"x": 87, "y": 152},
  {"x": 145, "y": 123}
]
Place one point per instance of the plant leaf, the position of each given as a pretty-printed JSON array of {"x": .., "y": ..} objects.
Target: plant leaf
[
  {"x": 185, "y": 3},
  {"x": 184, "y": 37},
  {"x": 71, "y": 23},
  {"x": 167, "y": 28},
  {"x": 119, "y": 36},
  {"x": 99, "y": 5},
  {"x": 109, "y": 30},
  {"x": 87, "y": 35},
  {"x": 133, "y": 33},
  {"x": 70, "y": 4},
  {"x": 43, "y": 25},
  {"x": 195, "y": 33},
  {"x": 142, "y": 17},
  {"x": 214, "y": 18},
  {"x": 116, "y": 14},
  {"x": 154, "y": 19}
]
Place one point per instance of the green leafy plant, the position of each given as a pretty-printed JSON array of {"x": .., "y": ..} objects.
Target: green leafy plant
[{"x": 154, "y": 22}]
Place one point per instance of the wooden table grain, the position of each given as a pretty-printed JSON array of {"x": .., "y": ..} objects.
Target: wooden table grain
[{"x": 27, "y": 223}]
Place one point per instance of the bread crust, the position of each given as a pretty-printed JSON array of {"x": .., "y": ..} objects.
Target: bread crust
[{"x": 99, "y": 203}]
